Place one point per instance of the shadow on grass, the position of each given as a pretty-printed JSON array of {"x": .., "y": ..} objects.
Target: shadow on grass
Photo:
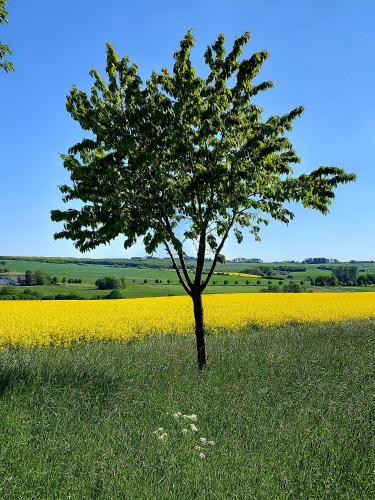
[
  {"x": 11, "y": 376},
  {"x": 20, "y": 368}
]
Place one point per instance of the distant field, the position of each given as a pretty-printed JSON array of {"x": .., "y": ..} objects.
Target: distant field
[{"x": 135, "y": 277}]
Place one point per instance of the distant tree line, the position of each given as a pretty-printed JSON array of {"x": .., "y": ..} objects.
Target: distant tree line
[
  {"x": 10, "y": 293},
  {"x": 286, "y": 288},
  {"x": 269, "y": 271},
  {"x": 40, "y": 278},
  {"x": 344, "y": 275},
  {"x": 290, "y": 269},
  {"x": 319, "y": 260}
]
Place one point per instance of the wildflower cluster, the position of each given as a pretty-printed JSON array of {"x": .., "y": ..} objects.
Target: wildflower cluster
[
  {"x": 202, "y": 444},
  {"x": 161, "y": 434}
]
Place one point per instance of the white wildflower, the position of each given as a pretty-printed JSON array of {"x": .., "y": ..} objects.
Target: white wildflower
[
  {"x": 211, "y": 443},
  {"x": 184, "y": 430},
  {"x": 177, "y": 414},
  {"x": 202, "y": 455},
  {"x": 193, "y": 428},
  {"x": 203, "y": 440},
  {"x": 197, "y": 447},
  {"x": 193, "y": 417}
]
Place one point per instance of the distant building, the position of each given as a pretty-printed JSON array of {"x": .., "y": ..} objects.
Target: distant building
[
  {"x": 7, "y": 280},
  {"x": 21, "y": 279},
  {"x": 245, "y": 259}
]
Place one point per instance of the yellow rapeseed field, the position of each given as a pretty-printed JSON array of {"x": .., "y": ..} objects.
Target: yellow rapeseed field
[
  {"x": 44, "y": 322},
  {"x": 243, "y": 275}
]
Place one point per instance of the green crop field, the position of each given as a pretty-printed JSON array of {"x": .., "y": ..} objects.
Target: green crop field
[
  {"x": 289, "y": 410},
  {"x": 136, "y": 276}
]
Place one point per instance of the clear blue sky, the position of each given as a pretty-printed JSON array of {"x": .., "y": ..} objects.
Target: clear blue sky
[{"x": 322, "y": 56}]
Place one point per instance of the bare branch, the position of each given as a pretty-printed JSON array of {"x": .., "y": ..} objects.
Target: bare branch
[
  {"x": 217, "y": 253},
  {"x": 176, "y": 268},
  {"x": 178, "y": 247}
]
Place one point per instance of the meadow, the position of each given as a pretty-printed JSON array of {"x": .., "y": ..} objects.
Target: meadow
[{"x": 288, "y": 408}]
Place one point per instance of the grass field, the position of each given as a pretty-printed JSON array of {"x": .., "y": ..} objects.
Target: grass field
[{"x": 290, "y": 411}]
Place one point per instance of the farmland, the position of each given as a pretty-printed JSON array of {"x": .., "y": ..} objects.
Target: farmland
[
  {"x": 49, "y": 322},
  {"x": 141, "y": 277}
]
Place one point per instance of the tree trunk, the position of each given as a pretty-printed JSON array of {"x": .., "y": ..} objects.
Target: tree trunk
[{"x": 200, "y": 331}]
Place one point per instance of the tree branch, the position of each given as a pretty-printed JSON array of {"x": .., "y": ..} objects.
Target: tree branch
[
  {"x": 217, "y": 253},
  {"x": 177, "y": 245},
  {"x": 176, "y": 268}
]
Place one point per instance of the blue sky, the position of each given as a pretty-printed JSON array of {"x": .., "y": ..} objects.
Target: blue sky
[{"x": 322, "y": 56}]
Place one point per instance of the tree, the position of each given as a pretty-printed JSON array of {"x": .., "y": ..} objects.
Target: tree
[
  {"x": 30, "y": 278},
  {"x": 183, "y": 154},
  {"x": 107, "y": 283},
  {"x": 3, "y": 267},
  {"x": 292, "y": 287},
  {"x": 115, "y": 294},
  {"x": 333, "y": 281},
  {"x": 362, "y": 280},
  {"x": 266, "y": 271},
  {"x": 4, "y": 49},
  {"x": 346, "y": 274},
  {"x": 39, "y": 278}
]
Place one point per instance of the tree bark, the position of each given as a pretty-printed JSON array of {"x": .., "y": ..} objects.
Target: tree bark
[{"x": 200, "y": 331}]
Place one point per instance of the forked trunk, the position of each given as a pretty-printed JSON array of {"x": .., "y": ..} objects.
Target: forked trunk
[{"x": 200, "y": 332}]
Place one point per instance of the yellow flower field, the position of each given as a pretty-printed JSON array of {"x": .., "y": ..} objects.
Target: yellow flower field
[
  {"x": 243, "y": 275},
  {"x": 43, "y": 322}
]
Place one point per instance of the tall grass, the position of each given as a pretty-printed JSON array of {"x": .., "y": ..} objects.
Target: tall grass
[{"x": 290, "y": 411}]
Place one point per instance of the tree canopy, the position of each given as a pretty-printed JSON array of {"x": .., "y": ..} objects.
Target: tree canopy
[
  {"x": 184, "y": 157},
  {"x": 4, "y": 49}
]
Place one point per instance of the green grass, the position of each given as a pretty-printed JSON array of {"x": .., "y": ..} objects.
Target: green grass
[
  {"x": 290, "y": 409},
  {"x": 133, "y": 290}
]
